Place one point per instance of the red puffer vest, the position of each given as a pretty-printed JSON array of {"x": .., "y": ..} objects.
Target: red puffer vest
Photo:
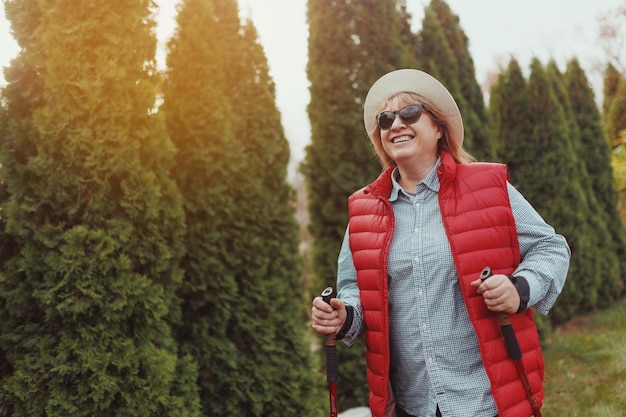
[{"x": 479, "y": 222}]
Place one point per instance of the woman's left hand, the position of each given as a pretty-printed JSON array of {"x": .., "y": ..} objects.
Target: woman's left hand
[{"x": 499, "y": 293}]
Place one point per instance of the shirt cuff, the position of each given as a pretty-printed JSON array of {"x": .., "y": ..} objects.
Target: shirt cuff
[
  {"x": 348, "y": 323},
  {"x": 523, "y": 289}
]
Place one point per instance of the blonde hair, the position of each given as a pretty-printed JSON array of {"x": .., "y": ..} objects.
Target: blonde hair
[{"x": 458, "y": 152}]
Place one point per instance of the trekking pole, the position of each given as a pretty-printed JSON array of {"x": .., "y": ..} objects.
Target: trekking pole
[
  {"x": 515, "y": 353},
  {"x": 331, "y": 359}
]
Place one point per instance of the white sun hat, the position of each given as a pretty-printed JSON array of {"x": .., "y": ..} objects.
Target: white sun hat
[{"x": 413, "y": 81}]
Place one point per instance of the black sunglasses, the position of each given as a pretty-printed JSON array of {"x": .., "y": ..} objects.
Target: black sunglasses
[{"x": 409, "y": 114}]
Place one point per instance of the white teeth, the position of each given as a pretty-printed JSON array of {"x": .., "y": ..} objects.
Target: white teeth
[{"x": 401, "y": 139}]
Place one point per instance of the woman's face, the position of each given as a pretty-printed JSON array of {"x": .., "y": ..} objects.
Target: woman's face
[{"x": 406, "y": 141}]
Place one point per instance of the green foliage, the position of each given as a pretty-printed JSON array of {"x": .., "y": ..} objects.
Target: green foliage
[
  {"x": 604, "y": 258},
  {"x": 549, "y": 134},
  {"x": 556, "y": 195},
  {"x": 585, "y": 366},
  {"x": 616, "y": 113},
  {"x": 509, "y": 107},
  {"x": 243, "y": 318},
  {"x": 612, "y": 79},
  {"x": 613, "y": 110},
  {"x": 96, "y": 224},
  {"x": 595, "y": 153},
  {"x": 544, "y": 328},
  {"x": 444, "y": 49},
  {"x": 618, "y": 162},
  {"x": 350, "y": 45}
]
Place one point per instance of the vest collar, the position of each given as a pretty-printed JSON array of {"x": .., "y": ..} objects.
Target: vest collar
[
  {"x": 447, "y": 169},
  {"x": 383, "y": 185}
]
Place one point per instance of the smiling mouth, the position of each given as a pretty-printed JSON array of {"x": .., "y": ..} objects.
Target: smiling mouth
[{"x": 401, "y": 139}]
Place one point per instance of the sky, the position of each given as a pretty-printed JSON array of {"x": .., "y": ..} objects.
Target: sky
[{"x": 496, "y": 29}]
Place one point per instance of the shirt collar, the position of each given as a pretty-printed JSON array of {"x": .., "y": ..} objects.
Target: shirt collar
[{"x": 431, "y": 181}]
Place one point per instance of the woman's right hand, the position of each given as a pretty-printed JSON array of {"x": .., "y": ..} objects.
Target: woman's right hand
[{"x": 328, "y": 319}]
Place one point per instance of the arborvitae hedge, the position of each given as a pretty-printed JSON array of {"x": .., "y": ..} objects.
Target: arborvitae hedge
[
  {"x": 244, "y": 318},
  {"x": 540, "y": 138},
  {"x": 595, "y": 152},
  {"x": 509, "y": 107},
  {"x": 86, "y": 296},
  {"x": 614, "y": 103},
  {"x": 609, "y": 88},
  {"x": 604, "y": 257},
  {"x": 463, "y": 85},
  {"x": 615, "y": 115}
]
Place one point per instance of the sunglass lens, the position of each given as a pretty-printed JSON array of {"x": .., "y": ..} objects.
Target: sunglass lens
[
  {"x": 385, "y": 119},
  {"x": 409, "y": 114}
]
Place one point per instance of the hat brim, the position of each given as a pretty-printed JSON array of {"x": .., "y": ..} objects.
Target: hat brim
[{"x": 413, "y": 81}]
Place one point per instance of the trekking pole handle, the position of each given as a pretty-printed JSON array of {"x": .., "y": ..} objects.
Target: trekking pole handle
[
  {"x": 328, "y": 294},
  {"x": 512, "y": 346},
  {"x": 331, "y": 348}
]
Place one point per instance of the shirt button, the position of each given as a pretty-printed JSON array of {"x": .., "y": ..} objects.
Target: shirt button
[
  {"x": 417, "y": 230},
  {"x": 420, "y": 293},
  {"x": 416, "y": 259},
  {"x": 424, "y": 326},
  {"x": 430, "y": 360},
  {"x": 417, "y": 205}
]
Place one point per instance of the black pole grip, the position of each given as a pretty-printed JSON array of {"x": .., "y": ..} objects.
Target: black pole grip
[
  {"x": 332, "y": 370},
  {"x": 327, "y": 295},
  {"x": 510, "y": 340}
]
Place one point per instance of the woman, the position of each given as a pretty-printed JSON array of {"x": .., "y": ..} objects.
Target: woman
[{"x": 410, "y": 265}]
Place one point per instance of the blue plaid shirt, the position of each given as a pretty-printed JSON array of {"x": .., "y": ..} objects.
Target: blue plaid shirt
[{"x": 435, "y": 359}]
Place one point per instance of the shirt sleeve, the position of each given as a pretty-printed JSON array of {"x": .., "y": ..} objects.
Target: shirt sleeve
[
  {"x": 348, "y": 290},
  {"x": 545, "y": 254}
]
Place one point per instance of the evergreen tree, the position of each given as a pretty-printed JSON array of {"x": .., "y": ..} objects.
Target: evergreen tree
[
  {"x": 596, "y": 156},
  {"x": 438, "y": 58},
  {"x": 509, "y": 108},
  {"x": 614, "y": 81},
  {"x": 544, "y": 176},
  {"x": 244, "y": 321},
  {"x": 604, "y": 259},
  {"x": 22, "y": 93},
  {"x": 96, "y": 224},
  {"x": 534, "y": 131},
  {"x": 550, "y": 181},
  {"x": 351, "y": 44},
  {"x": 6, "y": 244},
  {"x": 616, "y": 114},
  {"x": 478, "y": 134},
  {"x": 611, "y": 81}
]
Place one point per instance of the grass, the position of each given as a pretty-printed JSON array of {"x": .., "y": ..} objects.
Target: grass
[{"x": 586, "y": 366}]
